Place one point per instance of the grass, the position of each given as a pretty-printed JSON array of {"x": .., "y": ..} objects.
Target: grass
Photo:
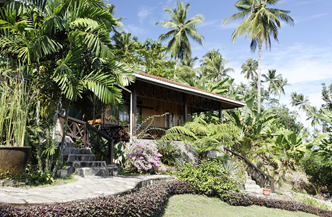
[
  {"x": 311, "y": 201},
  {"x": 193, "y": 205}
]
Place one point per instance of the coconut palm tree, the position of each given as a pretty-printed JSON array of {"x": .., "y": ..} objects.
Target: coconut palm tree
[
  {"x": 273, "y": 81},
  {"x": 311, "y": 117},
  {"x": 124, "y": 41},
  {"x": 249, "y": 69},
  {"x": 213, "y": 66},
  {"x": 282, "y": 83},
  {"x": 180, "y": 29},
  {"x": 261, "y": 23},
  {"x": 189, "y": 62},
  {"x": 299, "y": 100}
]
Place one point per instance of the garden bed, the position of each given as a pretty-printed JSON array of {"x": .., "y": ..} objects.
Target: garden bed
[{"x": 149, "y": 201}]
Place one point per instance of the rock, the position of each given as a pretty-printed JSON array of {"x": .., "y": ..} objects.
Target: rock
[
  {"x": 63, "y": 173},
  {"x": 9, "y": 183},
  {"x": 70, "y": 170}
]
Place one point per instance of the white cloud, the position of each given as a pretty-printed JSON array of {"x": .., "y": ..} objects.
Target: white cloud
[
  {"x": 210, "y": 23},
  {"x": 144, "y": 12},
  {"x": 300, "y": 62},
  {"x": 134, "y": 29},
  {"x": 315, "y": 16}
]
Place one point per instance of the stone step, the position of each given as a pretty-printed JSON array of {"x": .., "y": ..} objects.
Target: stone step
[
  {"x": 67, "y": 151},
  {"x": 71, "y": 145},
  {"x": 110, "y": 170},
  {"x": 251, "y": 182},
  {"x": 80, "y": 164},
  {"x": 246, "y": 185},
  {"x": 256, "y": 191},
  {"x": 91, "y": 171},
  {"x": 79, "y": 157}
]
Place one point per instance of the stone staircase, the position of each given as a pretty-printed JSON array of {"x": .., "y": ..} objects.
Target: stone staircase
[
  {"x": 85, "y": 163},
  {"x": 253, "y": 189}
]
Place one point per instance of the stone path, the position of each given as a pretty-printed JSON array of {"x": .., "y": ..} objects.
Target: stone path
[{"x": 83, "y": 188}]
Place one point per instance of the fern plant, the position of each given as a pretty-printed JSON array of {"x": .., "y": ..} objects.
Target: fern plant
[
  {"x": 204, "y": 136},
  {"x": 169, "y": 153}
]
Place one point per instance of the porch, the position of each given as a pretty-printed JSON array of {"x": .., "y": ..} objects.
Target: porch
[{"x": 165, "y": 103}]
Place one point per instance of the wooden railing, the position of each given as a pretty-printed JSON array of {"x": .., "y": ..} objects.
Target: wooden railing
[
  {"x": 118, "y": 133},
  {"x": 257, "y": 174},
  {"x": 151, "y": 131},
  {"x": 90, "y": 136}
]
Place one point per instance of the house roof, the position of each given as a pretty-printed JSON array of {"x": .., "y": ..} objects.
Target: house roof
[{"x": 232, "y": 103}]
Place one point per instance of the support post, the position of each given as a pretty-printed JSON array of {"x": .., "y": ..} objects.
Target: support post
[
  {"x": 272, "y": 185},
  {"x": 220, "y": 114},
  {"x": 134, "y": 107},
  {"x": 185, "y": 108}
]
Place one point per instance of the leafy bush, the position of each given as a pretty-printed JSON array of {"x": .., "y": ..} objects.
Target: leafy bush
[
  {"x": 312, "y": 202},
  {"x": 169, "y": 153},
  {"x": 148, "y": 201},
  {"x": 235, "y": 168},
  {"x": 37, "y": 178},
  {"x": 143, "y": 157},
  {"x": 208, "y": 177},
  {"x": 238, "y": 199}
]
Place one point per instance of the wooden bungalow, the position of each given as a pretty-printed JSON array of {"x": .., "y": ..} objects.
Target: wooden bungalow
[{"x": 152, "y": 95}]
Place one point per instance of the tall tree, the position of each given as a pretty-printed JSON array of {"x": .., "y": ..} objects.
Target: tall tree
[
  {"x": 282, "y": 83},
  {"x": 299, "y": 100},
  {"x": 314, "y": 120},
  {"x": 124, "y": 41},
  {"x": 214, "y": 66},
  {"x": 249, "y": 69},
  {"x": 261, "y": 23},
  {"x": 180, "y": 29},
  {"x": 273, "y": 79}
]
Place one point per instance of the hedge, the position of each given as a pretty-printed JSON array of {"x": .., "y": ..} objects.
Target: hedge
[{"x": 149, "y": 201}]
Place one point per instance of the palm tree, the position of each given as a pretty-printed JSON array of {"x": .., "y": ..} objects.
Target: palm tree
[
  {"x": 213, "y": 66},
  {"x": 273, "y": 81},
  {"x": 311, "y": 117},
  {"x": 261, "y": 23},
  {"x": 180, "y": 29},
  {"x": 65, "y": 49},
  {"x": 282, "y": 83},
  {"x": 189, "y": 62},
  {"x": 124, "y": 41},
  {"x": 299, "y": 100},
  {"x": 249, "y": 69}
]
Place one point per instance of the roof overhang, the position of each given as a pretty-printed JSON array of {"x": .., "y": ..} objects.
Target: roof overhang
[{"x": 190, "y": 90}]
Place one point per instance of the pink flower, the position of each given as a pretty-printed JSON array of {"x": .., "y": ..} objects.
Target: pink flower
[{"x": 141, "y": 158}]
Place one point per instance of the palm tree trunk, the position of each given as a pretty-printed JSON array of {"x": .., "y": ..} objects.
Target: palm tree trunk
[
  {"x": 176, "y": 64},
  {"x": 259, "y": 78},
  {"x": 248, "y": 82}
]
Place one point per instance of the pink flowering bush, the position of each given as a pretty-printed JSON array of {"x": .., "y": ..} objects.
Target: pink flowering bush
[{"x": 144, "y": 157}]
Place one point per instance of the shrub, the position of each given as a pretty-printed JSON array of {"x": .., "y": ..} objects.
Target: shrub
[
  {"x": 148, "y": 201},
  {"x": 208, "y": 177},
  {"x": 169, "y": 153},
  {"x": 37, "y": 178},
  {"x": 312, "y": 202},
  {"x": 143, "y": 157},
  {"x": 237, "y": 199}
]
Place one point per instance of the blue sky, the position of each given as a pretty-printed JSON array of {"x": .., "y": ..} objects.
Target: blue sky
[{"x": 303, "y": 55}]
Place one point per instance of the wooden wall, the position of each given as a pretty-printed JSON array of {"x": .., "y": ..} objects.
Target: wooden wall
[{"x": 150, "y": 107}]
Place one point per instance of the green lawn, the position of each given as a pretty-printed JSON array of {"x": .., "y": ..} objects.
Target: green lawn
[{"x": 192, "y": 205}]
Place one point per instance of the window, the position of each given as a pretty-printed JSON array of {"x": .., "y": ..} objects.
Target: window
[{"x": 124, "y": 114}]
